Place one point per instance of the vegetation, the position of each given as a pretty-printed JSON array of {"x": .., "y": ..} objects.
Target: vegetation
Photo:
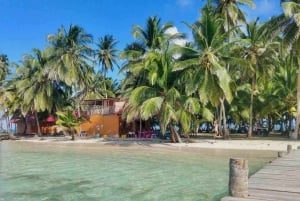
[{"x": 231, "y": 69}]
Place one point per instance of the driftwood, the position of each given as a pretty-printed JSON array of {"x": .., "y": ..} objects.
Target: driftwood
[{"x": 8, "y": 137}]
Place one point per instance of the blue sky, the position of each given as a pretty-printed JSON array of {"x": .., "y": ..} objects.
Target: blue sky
[{"x": 24, "y": 24}]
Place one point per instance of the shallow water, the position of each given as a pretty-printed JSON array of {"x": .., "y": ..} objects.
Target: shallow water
[{"x": 97, "y": 172}]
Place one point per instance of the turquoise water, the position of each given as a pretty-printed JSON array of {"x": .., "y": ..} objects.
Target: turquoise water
[{"x": 40, "y": 171}]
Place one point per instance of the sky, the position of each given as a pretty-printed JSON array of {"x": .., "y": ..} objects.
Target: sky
[{"x": 25, "y": 24}]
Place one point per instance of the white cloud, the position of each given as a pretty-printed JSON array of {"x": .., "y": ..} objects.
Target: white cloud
[
  {"x": 184, "y": 3},
  {"x": 172, "y": 31}
]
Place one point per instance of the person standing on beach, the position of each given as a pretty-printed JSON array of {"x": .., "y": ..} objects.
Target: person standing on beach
[{"x": 216, "y": 128}]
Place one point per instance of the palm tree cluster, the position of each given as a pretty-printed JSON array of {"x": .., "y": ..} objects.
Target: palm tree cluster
[
  {"x": 61, "y": 75},
  {"x": 230, "y": 69}
]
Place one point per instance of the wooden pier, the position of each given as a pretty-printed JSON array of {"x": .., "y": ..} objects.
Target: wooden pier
[{"x": 279, "y": 180}]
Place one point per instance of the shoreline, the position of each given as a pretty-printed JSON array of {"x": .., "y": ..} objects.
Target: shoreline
[{"x": 243, "y": 144}]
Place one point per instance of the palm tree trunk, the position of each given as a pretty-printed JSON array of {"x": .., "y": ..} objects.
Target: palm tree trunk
[
  {"x": 37, "y": 123},
  {"x": 294, "y": 135},
  {"x": 8, "y": 124},
  {"x": 105, "y": 84},
  {"x": 175, "y": 134},
  {"x": 251, "y": 107},
  {"x": 225, "y": 133}
]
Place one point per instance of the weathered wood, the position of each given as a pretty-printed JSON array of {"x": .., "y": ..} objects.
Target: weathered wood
[
  {"x": 280, "y": 154},
  {"x": 238, "y": 177},
  {"x": 289, "y": 148},
  {"x": 279, "y": 180},
  {"x": 258, "y": 194}
]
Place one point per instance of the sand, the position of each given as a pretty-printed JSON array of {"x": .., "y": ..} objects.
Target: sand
[{"x": 241, "y": 144}]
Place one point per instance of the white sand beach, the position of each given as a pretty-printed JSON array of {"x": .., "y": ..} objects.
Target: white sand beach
[{"x": 241, "y": 144}]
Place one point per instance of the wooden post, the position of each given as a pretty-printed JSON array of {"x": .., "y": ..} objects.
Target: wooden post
[
  {"x": 238, "y": 178},
  {"x": 280, "y": 154},
  {"x": 289, "y": 148}
]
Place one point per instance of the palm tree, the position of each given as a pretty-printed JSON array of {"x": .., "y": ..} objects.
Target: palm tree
[
  {"x": 162, "y": 97},
  {"x": 231, "y": 13},
  {"x": 67, "y": 121},
  {"x": 204, "y": 64},
  {"x": 149, "y": 39},
  {"x": 4, "y": 71},
  {"x": 34, "y": 86},
  {"x": 106, "y": 54},
  {"x": 154, "y": 34},
  {"x": 95, "y": 90},
  {"x": 150, "y": 81},
  {"x": 70, "y": 55},
  {"x": 292, "y": 37},
  {"x": 261, "y": 54}
]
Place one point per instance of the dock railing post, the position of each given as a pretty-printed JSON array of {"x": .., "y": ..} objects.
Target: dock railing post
[
  {"x": 280, "y": 154},
  {"x": 289, "y": 148},
  {"x": 238, "y": 178}
]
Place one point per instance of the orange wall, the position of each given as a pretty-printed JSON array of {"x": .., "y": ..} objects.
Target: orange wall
[{"x": 111, "y": 124}]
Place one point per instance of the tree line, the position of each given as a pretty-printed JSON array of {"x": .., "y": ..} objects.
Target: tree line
[{"x": 231, "y": 68}]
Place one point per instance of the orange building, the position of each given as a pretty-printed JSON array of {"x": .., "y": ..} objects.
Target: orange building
[{"x": 103, "y": 117}]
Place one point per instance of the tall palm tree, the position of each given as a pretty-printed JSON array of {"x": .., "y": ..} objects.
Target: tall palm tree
[
  {"x": 206, "y": 72},
  {"x": 261, "y": 54},
  {"x": 289, "y": 24},
  {"x": 149, "y": 38},
  {"x": 34, "y": 86},
  {"x": 150, "y": 81},
  {"x": 162, "y": 97},
  {"x": 70, "y": 56},
  {"x": 106, "y": 54}
]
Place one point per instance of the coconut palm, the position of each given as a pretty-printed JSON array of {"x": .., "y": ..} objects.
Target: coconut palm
[
  {"x": 95, "y": 90},
  {"x": 231, "y": 13},
  {"x": 4, "y": 71},
  {"x": 68, "y": 122},
  {"x": 292, "y": 38},
  {"x": 150, "y": 84},
  {"x": 149, "y": 38},
  {"x": 70, "y": 55},
  {"x": 205, "y": 65},
  {"x": 162, "y": 97},
  {"x": 261, "y": 54},
  {"x": 106, "y": 54},
  {"x": 154, "y": 34},
  {"x": 34, "y": 86}
]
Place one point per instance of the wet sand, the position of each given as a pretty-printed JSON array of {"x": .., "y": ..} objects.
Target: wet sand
[{"x": 241, "y": 144}]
